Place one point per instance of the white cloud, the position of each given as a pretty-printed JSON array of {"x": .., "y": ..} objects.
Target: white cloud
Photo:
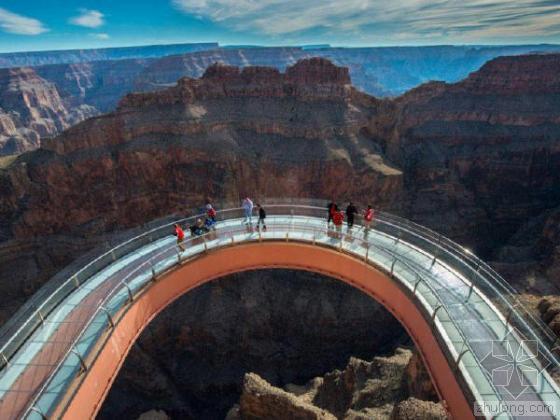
[
  {"x": 88, "y": 19},
  {"x": 102, "y": 36},
  {"x": 17, "y": 24},
  {"x": 447, "y": 20}
]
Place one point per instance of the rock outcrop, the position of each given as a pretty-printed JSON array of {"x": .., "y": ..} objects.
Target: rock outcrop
[
  {"x": 30, "y": 109},
  {"x": 363, "y": 390},
  {"x": 260, "y": 400}
]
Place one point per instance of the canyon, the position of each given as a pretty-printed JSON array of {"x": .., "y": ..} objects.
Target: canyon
[
  {"x": 90, "y": 82},
  {"x": 476, "y": 160}
]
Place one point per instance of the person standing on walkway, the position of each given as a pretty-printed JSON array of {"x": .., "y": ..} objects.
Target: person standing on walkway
[
  {"x": 180, "y": 234},
  {"x": 262, "y": 216},
  {"x": 368, "y": 218},
  {"x": 248, "y": 210},
  {"x": 331, "y": 209},
  {"x": 351, "y": 211},
  {"x": 210, "y": 212},
  {"x": 338, "y": 219}
]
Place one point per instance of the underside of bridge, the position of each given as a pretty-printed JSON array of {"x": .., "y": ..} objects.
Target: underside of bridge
[{"x": 90, "y": 389}]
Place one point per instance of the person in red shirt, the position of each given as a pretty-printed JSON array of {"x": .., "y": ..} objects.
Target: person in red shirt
[
  {"x": 211, "y": 212},
  {"x": 180, "y": 234},
  {"x": 338, "y": 219},
  {"x": 368, "y": 218}
]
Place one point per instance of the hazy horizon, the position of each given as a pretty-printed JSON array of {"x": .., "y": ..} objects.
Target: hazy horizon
[{"x": 240, "y": 46}]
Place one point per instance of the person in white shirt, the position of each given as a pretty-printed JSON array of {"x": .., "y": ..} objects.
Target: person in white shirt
[{"x": 248, "y": 209}]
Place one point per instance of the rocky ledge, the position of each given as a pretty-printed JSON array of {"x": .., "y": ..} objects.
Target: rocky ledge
[{"x": 381, "y": 389}]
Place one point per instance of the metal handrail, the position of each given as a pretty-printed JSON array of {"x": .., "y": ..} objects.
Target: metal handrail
[
  {"x": 399, "y": 223},
  {"x": 396, "y": 258},
  {"x": 438, "y": 241},
  {"x": 73, "y": 280}
]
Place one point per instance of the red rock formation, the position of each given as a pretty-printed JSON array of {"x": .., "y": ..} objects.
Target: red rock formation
[
  {"x": 31, "y": 109},
  {"x": 469, "y": 161},
  {"x": 230, "y": 133}
]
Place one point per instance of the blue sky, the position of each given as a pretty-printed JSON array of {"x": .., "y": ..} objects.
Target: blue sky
[{"x": 61, "y": 24}]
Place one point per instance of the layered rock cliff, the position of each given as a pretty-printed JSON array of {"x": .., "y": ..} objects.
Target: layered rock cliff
[
  {"x": 232, "y": 132},
  {"x": 477, "y": 160},
  {"x": 480, "y": 157},
  {"x": 38, "y": 58},
  {"x": 473, "y": 160},
  {"x": 30, "y": 109},
  {"x": 98, "y": 78}
]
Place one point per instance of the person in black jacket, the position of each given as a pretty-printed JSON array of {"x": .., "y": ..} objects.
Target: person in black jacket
[
  {"x": 332, "y": 208},
  {"x": 351, "y": 211},
  {"x": 262, "y": 216}
]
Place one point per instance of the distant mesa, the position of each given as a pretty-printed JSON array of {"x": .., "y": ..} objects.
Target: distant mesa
[{"x": 314, "y": 70}]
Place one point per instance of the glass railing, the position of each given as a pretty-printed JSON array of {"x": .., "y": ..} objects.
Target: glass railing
[
  {"x": 298, "y": 220},
  {"x": 303, "y": 227}
]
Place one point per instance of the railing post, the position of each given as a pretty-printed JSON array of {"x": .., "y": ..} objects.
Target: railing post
[
  {"x": 38, "y": 411},
  {"x": 459, "y": 358},
  {"x": 418, "y": 281},
  {"x": 510, "y": 313},
  {"x": 80, "y": 358},
  {"x": 399, "y": 236},
  {"x": 287, "y": 236},
  {"x": 435, "y": 258},
  {"x": 42, "y": 317},
  {"x": 470, "y": 292},
  {"x": 130, "y": 295},
  {"x": 154, "y": 276},
  {"x": 205, "y": 245},
  {"x": 109, "y": 317},
  {"x": 5, "y": 359},
  {"x": 367, "y": 254},
  {"x": 393, "y": 266},
  {"x": 75, "y": 280},
  {"x": 435, "y": 313}
]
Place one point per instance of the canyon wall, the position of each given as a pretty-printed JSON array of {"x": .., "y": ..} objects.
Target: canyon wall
[
  {"x": 31, "y": 108},
  {"x": 473, "y": 160},
  {"x": 93, "y": 81},
  {"x": 38, "y": 58},
  {"x": 477, "y": 160}
]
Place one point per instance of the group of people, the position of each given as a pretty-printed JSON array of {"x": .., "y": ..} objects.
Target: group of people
[
  {"x": 201, "y": 227},
  {"x": 336, "y": 216},
  {"x": 248, "y": 207}
]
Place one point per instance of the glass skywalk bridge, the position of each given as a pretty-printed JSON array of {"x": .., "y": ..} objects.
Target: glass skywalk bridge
[{"x": 497, "y": 349}]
